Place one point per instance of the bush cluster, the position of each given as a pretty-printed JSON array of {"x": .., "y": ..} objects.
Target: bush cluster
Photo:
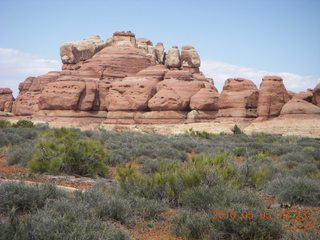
[{"x": 61, "y": 150}]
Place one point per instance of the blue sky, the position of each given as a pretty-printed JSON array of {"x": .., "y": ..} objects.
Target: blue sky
[{"x": 235, "y": 38}]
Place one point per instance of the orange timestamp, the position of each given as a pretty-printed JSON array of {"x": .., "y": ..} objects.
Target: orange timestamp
[{"x": 262, "y": 214}]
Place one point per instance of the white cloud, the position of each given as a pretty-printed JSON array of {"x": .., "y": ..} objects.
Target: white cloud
[
  {"x": 220, "y": 71},
  {"x": 16, "y": 66}
]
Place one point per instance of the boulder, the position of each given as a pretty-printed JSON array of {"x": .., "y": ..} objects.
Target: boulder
[
  {"x": 173, "y": 58},
  {"x": 206, "y": 99},
  {"x": 174, "y": 95},
  {"x": 74, "y": 52},
  {"x": 6, "y": 99},
  {"x": 299, "y": 106},
  {"x": 238, "y": 98},
  {"x": 307, "y": 95},
  {"x": 272, "y": 96},
  {"x": 160, "y": 54},
  {"x": 130, "y": 94},
  {"x": 316, "y": 95},
  {"x": 189, "y": 57}
]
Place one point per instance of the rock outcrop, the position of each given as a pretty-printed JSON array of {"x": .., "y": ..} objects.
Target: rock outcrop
[
  {"x": 74, "y": 52},
  {"x": 27, "y": 102},
  {"x": 272, "y": 96},
  {"x": 239, "y": 98},
  {"x": 6, "y": 99},
  {"x": 299, "y": 106},
  {"x": 316, "y": 95},
  {"x": 173, "y": 58},
  {"x": 189, "y": 57},
  {"x": 306, "y": 96},
  {"x": 128, "y": 80}
]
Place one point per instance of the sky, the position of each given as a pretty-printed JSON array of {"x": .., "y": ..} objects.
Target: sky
[{"x": 234, "y": 38}]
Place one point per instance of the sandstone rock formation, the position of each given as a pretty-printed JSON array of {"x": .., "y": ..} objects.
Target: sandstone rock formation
[
  {"x": 272, "y": 96},
  {"x": 129, "y": 81},
  {"x": 299, "y": 106},
  {"x": 6, "y": 99},
  {"x": 238, "y": 98},
  {"x": 74, "y": 52},
  {"x": 30, "y": 90},
  {"x": 307, "y": 95},
  {"x": 190, "y": 57},
  {"x": 316, "y": 95}
]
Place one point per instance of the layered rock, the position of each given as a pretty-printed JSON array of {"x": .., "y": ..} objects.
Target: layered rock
[
  {"x": 27, "y": 102},
  {"x": 6, "y": 99},
  {"x": 122, "y": 39},
  {"x": 130, "y": 94},
  {"x": 316, "y": 95},
  {"x": 74, "y": 52},
  {"x": 206, "y": 99},
  {"x": 299, "y": 106},
  {"x": 174, "y": 95},
  {"x": 272, "y": 96},
  {"x": 239, "y": 98}
]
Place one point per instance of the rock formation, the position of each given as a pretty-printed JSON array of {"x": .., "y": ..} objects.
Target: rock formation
[
  {"x": 238, "y": 98},
  {"x": 272, "y": 96},
  {"x": 74, "y": 52},
  {"x": 316, "y": 95},
  {"x": 128, "y": 80},
  {"x": 299, "y": 106},
  {"x": 6, "y": 99}
]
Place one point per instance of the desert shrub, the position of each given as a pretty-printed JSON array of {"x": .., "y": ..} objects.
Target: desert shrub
[
  {"x": 255, "y": 228},
  {"x": 23, "y": 124},
  {"x": 20, "y": 154},
  {"x": 197, "y": 225},
  {"x": 236, "y": 130},
  {"x": 171, "y": 178},
  {"x": 26, "y": 197},
  {"x": 41, "y": 126},
  {"x": 119, "y": 206},
  {"x": 5, "y": 124},
  {"x": 62, "y": 219},
  {"x": 302, "y": 236},
  {"x": 296, "y": 190},
  {"x": 189, "y": 225},
  {"x": 4, "y": 141},
  {"x": 217, "y": 197},
  {"x": 316, "y": 154},
  {"x": 62, "y": 151}
]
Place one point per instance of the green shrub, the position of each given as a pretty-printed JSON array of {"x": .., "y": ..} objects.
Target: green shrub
[
  {"x": 189, "y": 225},
  {"x": 236, "y": 130},
  {"x": 20, "y": 154},
  {"x": 23, "y": 124},
  {"x": 62, "y": 151},
  {"x": 26, "y": 197},
  {"x": 296, "y": 190},
  {"x": 5, "y": 124}
]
